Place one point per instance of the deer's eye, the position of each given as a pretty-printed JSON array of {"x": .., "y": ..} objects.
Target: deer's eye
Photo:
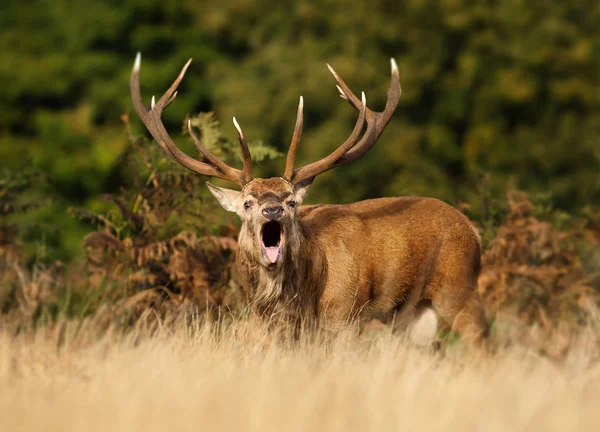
[
  {"x": 247, "y": 205},
  {"x": 292, "y": 204}
]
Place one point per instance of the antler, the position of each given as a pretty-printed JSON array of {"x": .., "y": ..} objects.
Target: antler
[
  {"x": 152, "y": 119},
  {"x": 350, "y": 150}
]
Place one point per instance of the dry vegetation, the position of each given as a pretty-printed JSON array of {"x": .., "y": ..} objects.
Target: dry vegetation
[{"x": 193, "y": 377}]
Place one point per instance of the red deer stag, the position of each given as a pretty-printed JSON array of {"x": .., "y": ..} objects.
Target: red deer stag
[{"x": 338, "y": 264}]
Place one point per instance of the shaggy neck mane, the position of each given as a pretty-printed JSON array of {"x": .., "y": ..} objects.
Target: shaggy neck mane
[{"x": 287, "y": 287}]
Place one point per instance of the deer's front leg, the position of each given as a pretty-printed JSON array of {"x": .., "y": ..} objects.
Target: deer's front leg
[{"x": 337, "y": 315}]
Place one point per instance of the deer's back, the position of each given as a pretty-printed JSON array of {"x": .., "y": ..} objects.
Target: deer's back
[{"x": 412, "y": 220}]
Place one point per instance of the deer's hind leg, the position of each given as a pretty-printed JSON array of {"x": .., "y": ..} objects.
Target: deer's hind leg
[
  {"x": 453, "y": 293},
  {"x": 465, "y": 316}
]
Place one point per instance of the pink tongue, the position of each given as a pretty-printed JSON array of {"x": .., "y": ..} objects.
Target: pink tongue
[{"x": 272, "y": 253}]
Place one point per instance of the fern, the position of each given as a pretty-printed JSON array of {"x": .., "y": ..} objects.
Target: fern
[
  {"x": 208, "y": 126},
  {"x": 165, "y": 232}
]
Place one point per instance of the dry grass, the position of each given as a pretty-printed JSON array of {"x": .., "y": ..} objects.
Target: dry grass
[{"x": 191, "y": 377}]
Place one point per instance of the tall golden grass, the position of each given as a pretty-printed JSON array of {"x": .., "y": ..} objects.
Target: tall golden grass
[{"x": 181, "y": 376}]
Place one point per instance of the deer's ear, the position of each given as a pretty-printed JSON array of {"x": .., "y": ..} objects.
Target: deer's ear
[
  {"x": 301, "y": 189},
  {"x": 228, "y": 198}
]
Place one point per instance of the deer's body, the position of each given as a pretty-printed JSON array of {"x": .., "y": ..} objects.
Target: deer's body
[
  {"x": 334, "y": 264},
  {"x": 374, "y": 259}
]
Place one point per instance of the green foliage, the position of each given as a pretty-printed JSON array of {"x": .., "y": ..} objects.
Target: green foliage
[
  {"x": 16, "y": 197},
  {"x": 22, "y": 197},
  {"x": 225, "y": 148},
  {"x": 504, "y": 89}
]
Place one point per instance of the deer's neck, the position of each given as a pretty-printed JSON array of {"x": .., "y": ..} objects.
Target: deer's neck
[{"x": 293, "y": 284}]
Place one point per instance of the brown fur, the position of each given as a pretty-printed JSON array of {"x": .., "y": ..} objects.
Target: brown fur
[
  {"x": 362, "y": 261},
  {"x": 336, "y": 264}
]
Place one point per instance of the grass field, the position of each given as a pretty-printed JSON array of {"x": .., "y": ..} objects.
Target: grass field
[{"x": 71, "y": 376}]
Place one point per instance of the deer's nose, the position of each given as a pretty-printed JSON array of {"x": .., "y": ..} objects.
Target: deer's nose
[{"x": 273, "y": 213}]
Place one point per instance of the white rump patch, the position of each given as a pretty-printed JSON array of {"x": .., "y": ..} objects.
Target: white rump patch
[{"x": 423, "y": 330}]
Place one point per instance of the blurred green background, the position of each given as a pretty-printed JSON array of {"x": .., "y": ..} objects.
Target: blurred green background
[{"x": 493, "y": 92}]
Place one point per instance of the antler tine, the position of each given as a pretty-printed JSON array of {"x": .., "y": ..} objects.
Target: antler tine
[
  {"x": 393, "y": 97},
  {"x": 345, "y": 92},
  {"x": 230, "y": 173},
  {"x": 245, "y": 152},
  {"x": 326, "y": 163},
  {"x": 376, "y": 123},
  {"x": 153, "y": 122},
  {"x": 291, "y": 156}
]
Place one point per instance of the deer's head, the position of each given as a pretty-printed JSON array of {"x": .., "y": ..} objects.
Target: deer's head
[{"x": 268, "y": 207}]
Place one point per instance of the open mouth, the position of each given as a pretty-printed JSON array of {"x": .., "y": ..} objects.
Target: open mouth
[{"x": 271, "y": 238}]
